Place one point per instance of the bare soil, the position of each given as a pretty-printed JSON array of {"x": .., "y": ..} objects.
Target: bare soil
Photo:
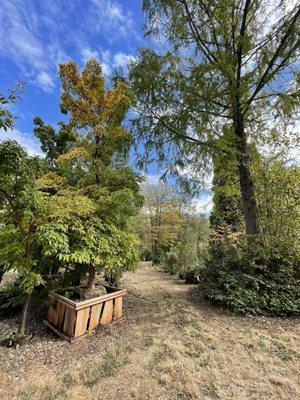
[{"x": 171, "y": 346}]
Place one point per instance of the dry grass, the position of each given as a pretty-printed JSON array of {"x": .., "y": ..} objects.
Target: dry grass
[{"x": 171, "y": 347}]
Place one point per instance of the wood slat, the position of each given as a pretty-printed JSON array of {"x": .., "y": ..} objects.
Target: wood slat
[
  {"x": 61, "y": 317},
  {"x": 50, "y": 314},
  {"x": 118, "y": 307},
  {"x": 59, "y": 306},
  {"x": 107, "y": 313},
  {"x": 69, "y": 321},
  {"x": 95, "y": 316},
  {"x": 101, "y": 299},
  {"x": 81, "y": 321}
]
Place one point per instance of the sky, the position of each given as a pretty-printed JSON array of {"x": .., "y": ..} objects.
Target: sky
[{"x": 37, "y": 35}]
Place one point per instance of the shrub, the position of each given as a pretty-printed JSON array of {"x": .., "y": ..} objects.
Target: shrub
[{"x": 236, "y": 277}]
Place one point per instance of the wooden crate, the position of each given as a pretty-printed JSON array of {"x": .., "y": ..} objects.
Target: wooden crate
[{"x": 71, "y": 319}]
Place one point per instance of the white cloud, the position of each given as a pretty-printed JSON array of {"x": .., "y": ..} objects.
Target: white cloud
[
  {"x": 87, "y": 54},
  {"x": 33, "y": 35},
  {"x": 204, "y": 204},
  {"x": 106, "y": 69},
  {"x": 110, "y": 17},
  {"x": 107, "y": 60},
  {"x": 26, "y": 140},
  {"x": 122, "y": 60},
  {"x": 45, "y": 81},
  {"x": 20, "y": 42}
]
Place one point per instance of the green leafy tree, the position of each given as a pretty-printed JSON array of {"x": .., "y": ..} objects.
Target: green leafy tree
[
  {"x": 227, "y": 204},
  {"x": 95, "y": 166},
  {"x": 260, "y": 279},
  {"x": 6, "y": 117},
  {"x": 186, "y": 256},
  {"x": 54, "y": 143},
  {"x": 21, "y": 211},
  {"x": 224, "y": 76},
  {"x": 161, "y": 209}
]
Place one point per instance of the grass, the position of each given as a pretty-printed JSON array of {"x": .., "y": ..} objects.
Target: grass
[
  {"x": 194, "y": 352},
  {"x": 50, "y": 391},
  {"x": 113, "y": 360}
]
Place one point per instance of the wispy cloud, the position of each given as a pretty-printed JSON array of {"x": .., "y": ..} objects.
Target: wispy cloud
[
  {"x": 87, "y": 53},
  {"x": 45, "y": 81},
  {"x": 108, "y": 61},
  {"x": 20, "y": 42},
  {"x": 122, "y": 60},
  {"x": 37, "y": 36},
  {"x": 110, "y": 17}
]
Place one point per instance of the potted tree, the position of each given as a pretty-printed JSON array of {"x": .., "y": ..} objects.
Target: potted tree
[{"x": 94, "y": 192}]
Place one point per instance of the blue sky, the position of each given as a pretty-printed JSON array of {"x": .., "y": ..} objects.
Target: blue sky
[{"x": 38, "y": 35}]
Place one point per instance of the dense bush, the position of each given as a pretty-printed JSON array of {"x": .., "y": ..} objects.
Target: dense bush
[{"x": 237, "y": 276}]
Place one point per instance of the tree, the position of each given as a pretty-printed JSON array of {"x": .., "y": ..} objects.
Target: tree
[
  {"x": 227, "y": 205},
  {"x": 6, "y": 116},
  {"x": 226, "y": 76},
  {"x": 54, "y": 143},
  {"x": 20, "y": 213},
  {"x": 97, "y": 164},
  {"x": 161, "y": 209},
  {"x": 186, "y": 255}
]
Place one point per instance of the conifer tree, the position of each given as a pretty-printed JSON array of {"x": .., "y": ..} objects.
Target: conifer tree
[{"x": 223, "y": 67}]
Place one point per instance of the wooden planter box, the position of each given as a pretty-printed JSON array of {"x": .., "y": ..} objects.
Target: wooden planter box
[{"x": 72, "y": 319}]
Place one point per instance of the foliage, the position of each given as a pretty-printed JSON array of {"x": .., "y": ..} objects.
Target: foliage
[
  {"x": 92, "y": 190},
  {"x": 185, "y": 257},
  {"x": 6, "y": 116},
  {"x": 227, "y": 204},
  {"x": 231, "y": 280},
  {"x": 262, "y": 278},
  {"x": 53, "y": 143},
  {"x": 279, "y": 198},
  {"x": 162, "y": 214},
  {"x": 16, "y": 339},
  {"x": 70, "y": 211},
  {"x": 21, "y": 211},
  {"x": 214, "y": 84}
]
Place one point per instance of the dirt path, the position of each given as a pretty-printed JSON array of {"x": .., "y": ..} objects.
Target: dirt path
[{"x": 172, "y": 346}]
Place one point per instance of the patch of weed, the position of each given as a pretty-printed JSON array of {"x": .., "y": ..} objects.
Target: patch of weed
[
  {"x": 149, "y": 341},
  {"x": 51, "y": 392},
  {"x": 69, "y": 380},
  {"x": 205, "y": 362},
  {"x": 283, "y": 352},
  {"x": 199, "y": 350},
  {"x": 26, "y": 393},
  {"x": 261, "y": 342},
  {"x": 112, "y": 361}
]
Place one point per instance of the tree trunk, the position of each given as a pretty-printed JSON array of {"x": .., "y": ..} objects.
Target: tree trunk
[
  {"x": 23, "y": 321},
  {"x": 92, "y": 276},
  {"x": 250, "y": 209},
  {"x": 154, "y": 252},
  {"x": 248, "y": 198},
  {"x": 96, "y": 158}
]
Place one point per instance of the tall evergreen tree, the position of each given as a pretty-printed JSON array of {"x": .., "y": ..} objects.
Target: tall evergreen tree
[{"x": 223, "y": 66}]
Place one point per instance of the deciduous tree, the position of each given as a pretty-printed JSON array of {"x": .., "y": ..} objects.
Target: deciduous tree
[{"x": 225, "y": 71}]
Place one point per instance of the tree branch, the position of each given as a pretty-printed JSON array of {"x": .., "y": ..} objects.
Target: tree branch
[{"x": 263, "y": 80}]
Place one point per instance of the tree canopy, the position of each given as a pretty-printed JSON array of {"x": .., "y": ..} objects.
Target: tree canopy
[{"x": 222, "y": 76}]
